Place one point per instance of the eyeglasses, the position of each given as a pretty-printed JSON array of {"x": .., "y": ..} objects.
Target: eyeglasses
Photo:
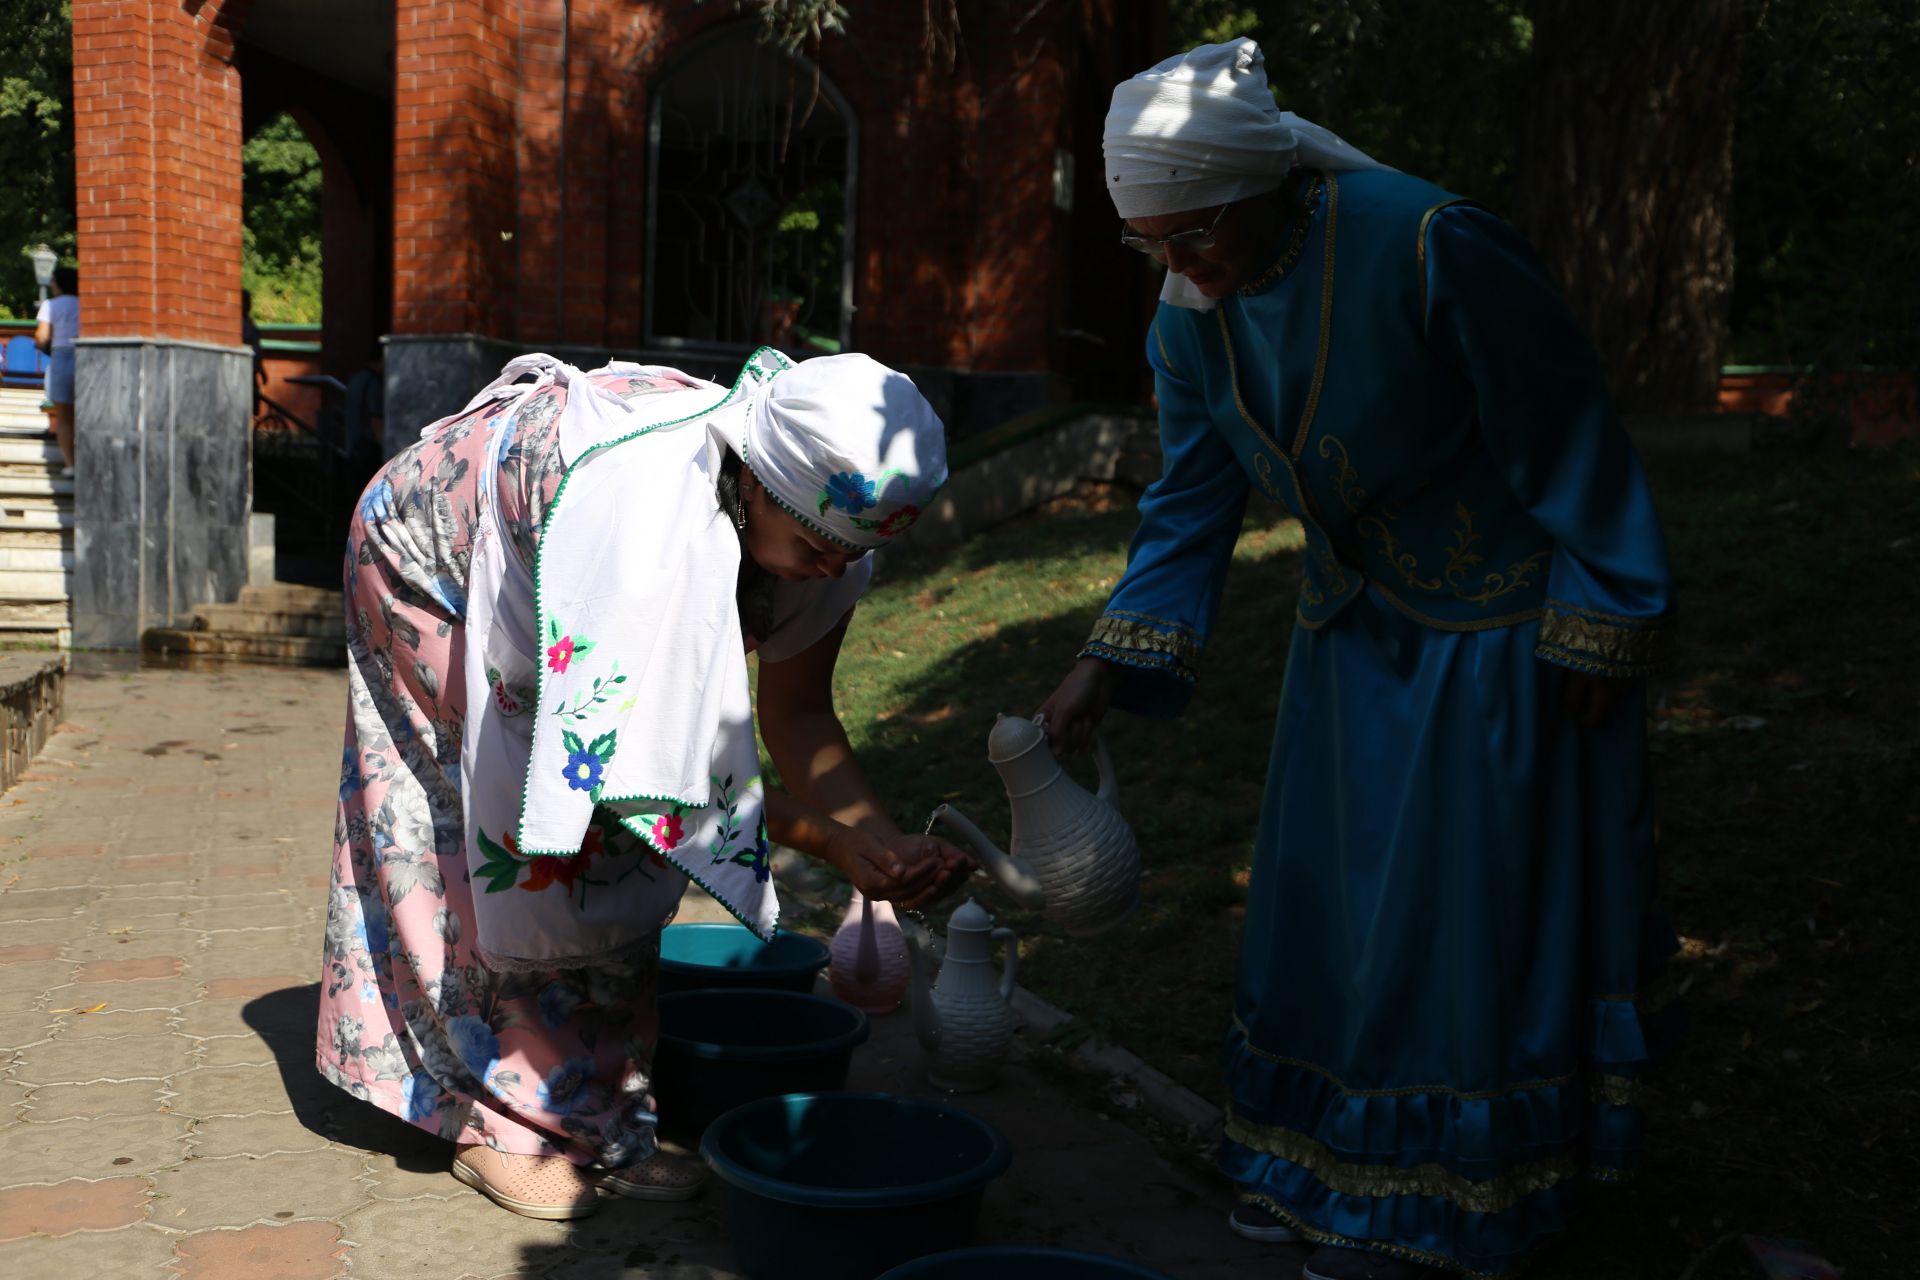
[{"x": 1157, "y": 246}]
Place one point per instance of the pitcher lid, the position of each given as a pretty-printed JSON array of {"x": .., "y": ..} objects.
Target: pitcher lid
[{"x": 970, "y": 917}]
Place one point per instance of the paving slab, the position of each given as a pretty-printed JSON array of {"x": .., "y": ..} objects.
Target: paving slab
[{"x": 190, "y": 1093}]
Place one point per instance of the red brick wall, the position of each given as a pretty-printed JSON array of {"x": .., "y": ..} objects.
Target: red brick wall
[
  {"x": 520, "y": 159},
  {"x": 453, "y": 166},
  {"x": 157, "y": 160}
]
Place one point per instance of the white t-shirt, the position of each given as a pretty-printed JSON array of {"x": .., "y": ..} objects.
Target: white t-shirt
[{"x": 63, "y": 314}]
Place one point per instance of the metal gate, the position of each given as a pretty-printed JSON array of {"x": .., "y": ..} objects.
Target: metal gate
[{"x": 750, "y": 206}]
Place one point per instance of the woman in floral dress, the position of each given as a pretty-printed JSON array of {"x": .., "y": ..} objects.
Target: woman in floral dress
[{"x": 548, "y": 731}]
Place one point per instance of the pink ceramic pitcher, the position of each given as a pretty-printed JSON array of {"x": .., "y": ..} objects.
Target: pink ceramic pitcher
[{"x": 869, "y": 969}]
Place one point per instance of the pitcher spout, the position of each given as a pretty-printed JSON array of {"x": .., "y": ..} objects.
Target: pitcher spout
[{"x": 1014, "y": 875}]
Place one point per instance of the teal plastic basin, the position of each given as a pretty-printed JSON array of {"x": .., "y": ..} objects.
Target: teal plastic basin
[
  {"x": 699, "y": 956},
  {"x": 718, "y": 1049},
  {"x": 842, "y": 1186},
  {"x": 1021, "y": 1262}
]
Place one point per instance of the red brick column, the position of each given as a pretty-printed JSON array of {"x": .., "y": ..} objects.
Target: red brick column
[
  {"x": 454, "y": 215},
  {"x": 157, "y": 162}
]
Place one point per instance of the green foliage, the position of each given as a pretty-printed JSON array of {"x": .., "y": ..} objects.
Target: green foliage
[
  {"x": 1827, "y": 141},
  {"x": 797, "y": 25},
  {"x": 1826, "y": 174},
  {"x": 280, "y": 242},
  {"x": 1419, "y": 86},
  {"x": 36, "y": 143}
]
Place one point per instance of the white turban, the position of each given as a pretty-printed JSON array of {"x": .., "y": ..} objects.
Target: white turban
[
  {"x": 1201, "y": 130},
  {"x": 845, "y": 445}
]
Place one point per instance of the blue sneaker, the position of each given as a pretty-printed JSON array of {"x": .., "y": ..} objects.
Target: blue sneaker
[{"x": 1254, "y": 1223}]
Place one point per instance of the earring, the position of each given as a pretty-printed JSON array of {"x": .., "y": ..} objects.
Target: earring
[{"x": 740, "y": 514}]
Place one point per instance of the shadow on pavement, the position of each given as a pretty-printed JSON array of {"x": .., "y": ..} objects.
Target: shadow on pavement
[{"x": 286, "y": 1020}]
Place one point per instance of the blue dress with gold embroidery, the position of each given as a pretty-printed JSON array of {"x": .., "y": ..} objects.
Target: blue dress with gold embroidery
[{"x": 1448, "y": 981}]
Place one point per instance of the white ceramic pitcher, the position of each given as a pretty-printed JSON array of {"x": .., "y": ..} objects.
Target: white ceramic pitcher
[
  {"x": 1073, "y": 854},
  {"x": 964, "y": 1021}
]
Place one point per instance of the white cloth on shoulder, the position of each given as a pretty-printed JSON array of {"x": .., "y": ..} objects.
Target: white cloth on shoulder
[{"x": 640, "y": 702}]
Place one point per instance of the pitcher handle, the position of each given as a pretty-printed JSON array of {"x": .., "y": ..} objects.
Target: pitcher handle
[
  {"x": 1109, "y": 790},
  {"x": 1011, "y": 968}
]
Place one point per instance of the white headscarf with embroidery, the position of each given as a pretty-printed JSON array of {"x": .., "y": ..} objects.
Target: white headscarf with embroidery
[
  {"x": 1201, "y": 130},
  {"x": 844, "y": 444}
]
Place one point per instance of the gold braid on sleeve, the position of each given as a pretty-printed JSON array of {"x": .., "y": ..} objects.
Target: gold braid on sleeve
[
  {"x": 1602, "y": 644},
  {"x": 1136, "y": 643}
]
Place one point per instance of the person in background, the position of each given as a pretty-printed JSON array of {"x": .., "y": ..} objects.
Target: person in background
[
  {"x": 55, "y": 328},
  {"x": 1451, "y": 967},
  {"x": 366, "y": 414},
  {"x": 250, "y": 338}
]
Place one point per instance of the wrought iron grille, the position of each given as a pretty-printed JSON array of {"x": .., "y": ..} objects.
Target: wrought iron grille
[{"x": 750, "y": 226}]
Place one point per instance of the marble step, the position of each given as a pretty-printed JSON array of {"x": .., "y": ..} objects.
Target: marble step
[
  {"x": 14, "y": 486},
  {"x": 19, "y": 513},
  {"x": 28, "y": 538},
  {"x": 37, "y": 559},
  {"x": 26, "y": 612},
  {"x": 29, "y": 451},
  {"x": 243, "y": 646},
  {"x": 33, "y": 584},
  {"x": 242, "y": 619},
  {"x": 288, "y": 597},
  {"x": 23, "y": 424}
]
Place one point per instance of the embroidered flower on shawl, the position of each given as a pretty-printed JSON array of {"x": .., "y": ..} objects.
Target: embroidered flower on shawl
[
  {"x": 759, "y": 858},
  {"x": 559, "y": 655},
  {"x": 899, "y": 522},
  {"x": 547, "y": 870},
  {"x": 668, "y": 831},
  {"x": 563, "y": 1089},
  {"x": 848, "y": 490},
  {"x": 584, "y": 769}
]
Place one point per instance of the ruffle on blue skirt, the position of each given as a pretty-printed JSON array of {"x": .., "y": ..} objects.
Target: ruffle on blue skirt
[{"x": 1472, "y": 1182}]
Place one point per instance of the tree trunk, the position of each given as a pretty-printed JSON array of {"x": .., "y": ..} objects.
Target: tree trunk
[{"x": 1625, "y": 185}]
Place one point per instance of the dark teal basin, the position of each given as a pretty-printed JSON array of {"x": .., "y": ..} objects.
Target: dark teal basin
[
  {"x": 697, "y": 956},
  {"x": 1021, "y": 1262},
  {"x": 839, "y": 1186},
  {"x": 718, "y": 1049}
]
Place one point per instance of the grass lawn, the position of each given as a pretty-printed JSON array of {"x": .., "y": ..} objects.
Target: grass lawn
[{"x": 1790, "y": 824}]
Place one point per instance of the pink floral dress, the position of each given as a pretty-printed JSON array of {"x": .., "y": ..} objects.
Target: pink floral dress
[{"x": 530, "y": 1063}]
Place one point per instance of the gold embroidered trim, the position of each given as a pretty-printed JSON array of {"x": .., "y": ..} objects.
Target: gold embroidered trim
[
  {"x": 1113, "y": 632},
  {"x": 1161, "y": 343},
  {"x": 1550, "y": 1082},
  {"x": 1615, "y": 1091},
  {"x": 1233, "y": 380},
  {"x": 1326, "y": 322},
  {"x": 1495, "y": 1195},
  {"x": 1148, "y": 617},
  {"x": 1584, "y": 642},
  {"x": 1346, "y": 481},
  {"x": 1442, "y": 624},
  {"x": 1403, "y": 1252},
  {"x": 1420, "y": 249},
  {"x": 1320, "y": 360},
  {"x": 1302, "y": 224}
]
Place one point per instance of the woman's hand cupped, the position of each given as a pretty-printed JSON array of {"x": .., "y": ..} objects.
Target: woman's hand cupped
[{"x": 906, "y": 870}]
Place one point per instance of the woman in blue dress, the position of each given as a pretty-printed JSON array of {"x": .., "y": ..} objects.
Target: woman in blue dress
[{"x": 1450, "y": 967}]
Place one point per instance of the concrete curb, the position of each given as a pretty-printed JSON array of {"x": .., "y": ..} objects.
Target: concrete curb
[{"x": 1176, "y": 1103}]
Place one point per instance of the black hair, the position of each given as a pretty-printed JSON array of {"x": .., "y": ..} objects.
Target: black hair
[
  {"x": 68, "y": 278},
  {"x": 753, "y": 590}
]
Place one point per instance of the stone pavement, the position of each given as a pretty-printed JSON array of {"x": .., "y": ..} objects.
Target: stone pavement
[{"x": 163, "y": 873}]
